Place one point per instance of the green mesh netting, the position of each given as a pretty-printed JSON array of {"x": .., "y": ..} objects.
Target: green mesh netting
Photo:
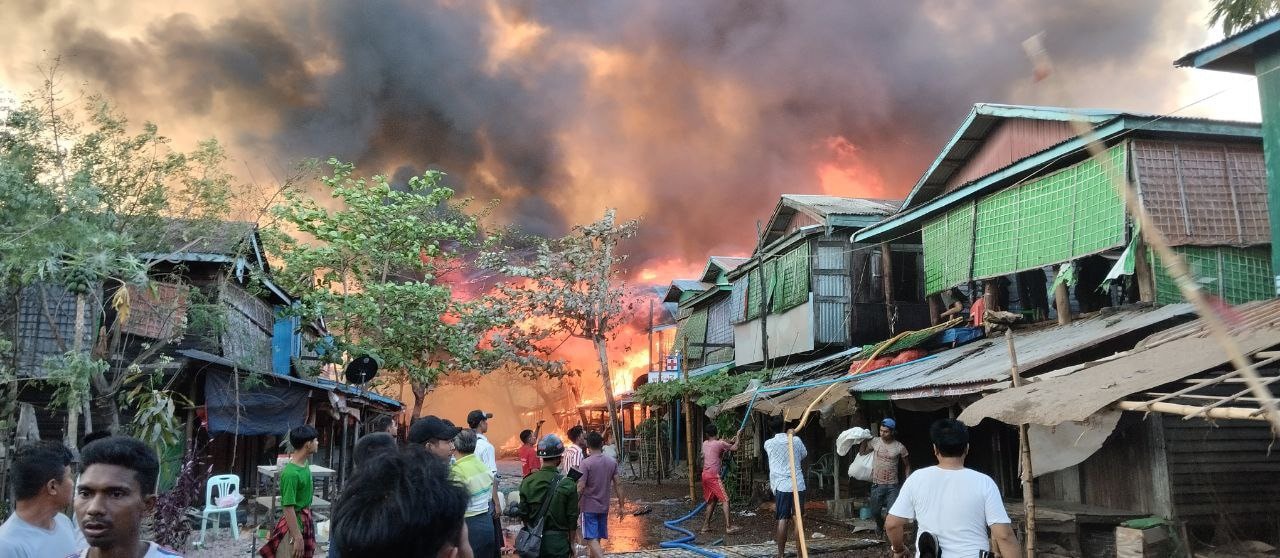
[
  {"x": 1068, "y": 214},
  {"x": 1233, "y": 274}
]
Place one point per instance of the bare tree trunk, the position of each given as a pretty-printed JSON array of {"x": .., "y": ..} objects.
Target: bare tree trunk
[
  {"x": 419, "y": 396},
  {"x": 614, "y": 423},
  {"x": 73, "y": 408}
]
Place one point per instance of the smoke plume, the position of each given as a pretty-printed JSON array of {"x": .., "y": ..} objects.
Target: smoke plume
[{"x": 694, "y": 115}]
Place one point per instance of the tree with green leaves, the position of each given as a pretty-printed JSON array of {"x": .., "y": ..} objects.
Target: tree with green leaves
[
  {"x": 573, "y": 288},
  {"x": 84, "y": 196},
  {"x": 1236, "y": 15},
  {"x": 372, "y": 267}
]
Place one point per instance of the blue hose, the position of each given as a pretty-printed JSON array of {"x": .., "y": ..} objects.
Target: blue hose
[{"x": 683, "y": 542}]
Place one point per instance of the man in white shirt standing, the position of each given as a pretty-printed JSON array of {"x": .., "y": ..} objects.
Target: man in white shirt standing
[
  {"x": 479, "y": 421},
  {"x": 44, "y": 486},
  {"x": 954, "y": 504},
  {"x": 780, "y": 472}
]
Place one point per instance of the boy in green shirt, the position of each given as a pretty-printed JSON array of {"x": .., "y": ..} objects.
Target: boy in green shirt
[{"x": 294, "y": 535}]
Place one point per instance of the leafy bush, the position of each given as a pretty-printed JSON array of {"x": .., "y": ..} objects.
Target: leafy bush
[{"x": 170, "y": 524}]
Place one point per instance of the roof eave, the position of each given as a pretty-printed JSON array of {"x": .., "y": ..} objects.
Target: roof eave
[{"x": 1233, "y": 54}]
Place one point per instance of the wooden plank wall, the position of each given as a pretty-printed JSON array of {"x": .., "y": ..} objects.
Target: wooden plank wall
[
  {"x": 1226, "y": 467},
  {"x": 1119, "y": 476}
]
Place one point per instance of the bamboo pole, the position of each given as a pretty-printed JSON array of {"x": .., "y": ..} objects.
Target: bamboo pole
[
  {"x": 1024, "y": 455},
  {"x": 795, "y": 494},
  {"x": 1173, "y": 262},
  {"x": 688, "y": 424},
  {"x": 1191, "y": 411}
]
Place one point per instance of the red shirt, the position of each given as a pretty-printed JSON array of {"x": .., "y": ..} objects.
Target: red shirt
[{"x": 529, "y": 461}]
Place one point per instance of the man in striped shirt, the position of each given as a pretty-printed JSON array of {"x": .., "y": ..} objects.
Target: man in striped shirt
[{"x": 573, "y": 452}]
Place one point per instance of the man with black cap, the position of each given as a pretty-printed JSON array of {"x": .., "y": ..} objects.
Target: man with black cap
[
  {"x": 479, "y": 421},
  {"x": 435, "y": 434},
  {"x": 562, "y": 512}
]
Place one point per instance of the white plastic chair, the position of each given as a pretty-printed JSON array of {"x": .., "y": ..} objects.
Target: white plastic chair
[
  {"x": 823, "y": 468},
  {"x": 218, "y": 490}
]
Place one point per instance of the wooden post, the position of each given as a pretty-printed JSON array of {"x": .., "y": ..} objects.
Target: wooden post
[
  {"x": 1024, "y": 455},
  {"x": 688, "y": 424},
  {"x": 935, "y": 308},
  {"x": 1142, "y": 272},
  {"x": 795, "y": 494},
  {"x": 1063, "y": 302},
  {"x": 990, "y": 299},
  {"x": 886, "y": 273}
]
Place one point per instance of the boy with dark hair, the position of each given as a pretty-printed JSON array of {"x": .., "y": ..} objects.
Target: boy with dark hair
[
  {"x": 528, "y": 453},
  {"x": 117, "y": 490},
  {"x": 781, "y": 470},
  {"x": 43, "y": 486},
  {"x": 953, "y": 506},
  {"x": 401, "y": 505},
  {"x": 599, "y": 471},
  {"x": 713, "y": 449},
  {"x": 295, "y": 533}
]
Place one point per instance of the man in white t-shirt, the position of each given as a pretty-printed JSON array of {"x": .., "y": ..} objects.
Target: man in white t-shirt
[
  {"x": 954, "y": 504},
  {"x": 781, "y": 469},
  {"x": 43, "y": 486}
]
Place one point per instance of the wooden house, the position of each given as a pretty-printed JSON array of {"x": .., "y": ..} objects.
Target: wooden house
[
  {"x": 1013, "y": 199},
  {"x": 216, "y": 328},
  {"x": 809, "y": 289}
]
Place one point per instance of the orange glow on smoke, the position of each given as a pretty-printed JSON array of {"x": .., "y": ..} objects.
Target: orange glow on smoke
[
  {"x": 844, "y": 171},
  {"x": 661, "y": 272}
]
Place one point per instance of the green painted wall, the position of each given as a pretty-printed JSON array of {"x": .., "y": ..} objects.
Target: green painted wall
[{"x": 1269, "y": 95}]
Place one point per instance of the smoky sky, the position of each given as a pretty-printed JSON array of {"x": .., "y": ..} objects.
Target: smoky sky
[{"x": 694, "y": 116}]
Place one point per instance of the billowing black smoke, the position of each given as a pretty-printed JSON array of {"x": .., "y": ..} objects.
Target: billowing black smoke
[{"x": 710, "y": 111}]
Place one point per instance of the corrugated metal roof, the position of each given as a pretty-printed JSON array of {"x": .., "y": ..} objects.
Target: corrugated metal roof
[
  {"x": 1051, "y": 159},
  {"x": 321, "y": 384},
  {"x": 1234, "y": 53},
  {"x": 982, "y": 119},
  {"x": 679, "y": 286},
  {"x": 833, "y": 205},
  {"x": 816, "y": 369},
  {"x": 221, "y": 238},
  {"x": 728, "y": 263},
  {"x": 1075, "y": 393},
  {"x": 987, "y": 361}
]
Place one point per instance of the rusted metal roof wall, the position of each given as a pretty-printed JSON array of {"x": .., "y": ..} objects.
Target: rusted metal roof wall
[
  {"x": 1204, "y": 193},
  {"x": 1224, "y": 467},
  {"x": 1014, "y": 139},
  {"x": 832, "y": 294}
]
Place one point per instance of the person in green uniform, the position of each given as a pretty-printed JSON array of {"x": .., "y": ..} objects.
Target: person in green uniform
[
  {"x": 294, "y": 535},
  {"x": 562, "y": 512}
]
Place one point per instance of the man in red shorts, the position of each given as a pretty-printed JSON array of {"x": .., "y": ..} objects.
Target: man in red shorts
[{"x": 713, "y": 449}]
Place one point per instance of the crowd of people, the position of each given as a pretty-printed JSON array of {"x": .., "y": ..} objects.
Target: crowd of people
[{"x": 438, "y": 495}]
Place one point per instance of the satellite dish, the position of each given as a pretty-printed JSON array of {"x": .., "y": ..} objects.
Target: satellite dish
[{"x": 361, "y": 370}]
